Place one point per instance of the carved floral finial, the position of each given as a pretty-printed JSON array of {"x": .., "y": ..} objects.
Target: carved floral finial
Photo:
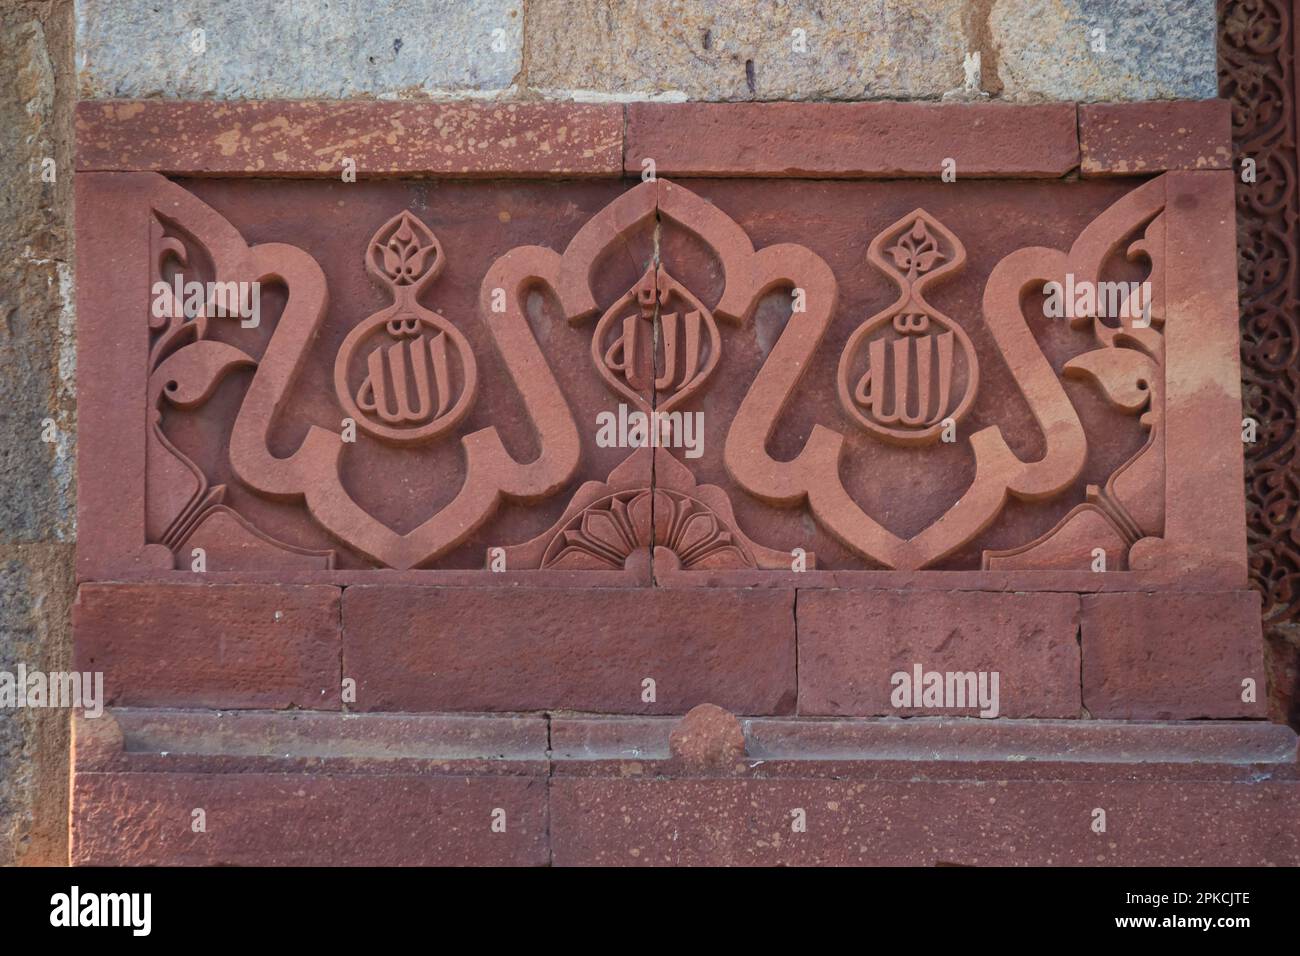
[
  {"x": 917, "y": 252},
  {"x": 404, "y": 252}
]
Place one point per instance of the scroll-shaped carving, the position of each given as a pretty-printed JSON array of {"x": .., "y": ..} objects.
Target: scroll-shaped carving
[
  {"x": 658, "y": 345},
  {"x": 407, "y": 375},
  {"x": 405, "y": 257},
  {"x": 183, "y": 511},
  {"x": 1126, "y": 516},
  {"x": 812, "y": 476},
  {"x": 920, "y": 370}
]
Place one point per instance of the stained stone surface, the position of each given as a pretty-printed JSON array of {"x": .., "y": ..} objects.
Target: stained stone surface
[
  {"x": 1092, "y": 50},
  {"x": 296, "y": 48},
  {"x": 729, "y": 51},
  {"x": 648, "y": 49}
]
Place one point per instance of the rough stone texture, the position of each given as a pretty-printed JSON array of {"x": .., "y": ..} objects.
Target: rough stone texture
[
  {"x": 314, "y": 139},
  {"x": 38, "y": 362},
  {"x": 297, "y": 49},
  {"x": 347, "y": 789},
  {"x": 1172, "y": 657},
  {"x": 1125, "y": 139},
  {"x": 708, "y": 737},
  {"x": 1154, "y": 49},
  {"x": 217, "y": 646},
  {"x": 36, "y": 317},
  {"x": 721, "y": 51},
  {"x": 472, "y": 649},
  {"x": 853, "y": 139},
  {"x": 907, "y": 821},
  {"x": 594, "y": 49},
  {"x": 309, "y": 819},
  {"x": 851, "y": 642}
]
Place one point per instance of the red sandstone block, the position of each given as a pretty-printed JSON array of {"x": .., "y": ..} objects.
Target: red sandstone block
[
  {"x": 1172, "y": 656},
  {"x": 451, "y": 649},
  {"x": 301, "y": 788},
  {"x": 225, "y": 646},
  {"x": 1129, "y": 139},
  {"x": 856, "y": 140},
  {"x": 853, "y": 643},
  {"x": 313, "y": 138},
  {"x": 307, "y": 819},
  {"x": 920, "y": 822}
]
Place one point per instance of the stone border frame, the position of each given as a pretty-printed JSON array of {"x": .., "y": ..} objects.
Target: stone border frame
[{"x": 118, "y": 141}]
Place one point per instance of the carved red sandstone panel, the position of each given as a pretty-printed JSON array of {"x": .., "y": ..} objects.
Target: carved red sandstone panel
[{"x": 864, "y": 377}]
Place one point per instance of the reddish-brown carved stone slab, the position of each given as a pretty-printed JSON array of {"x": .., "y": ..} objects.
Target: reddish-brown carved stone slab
[
  {"x": 902, "y": 822},
  {"x": 852, "y": 140},
  {"x": 485, "y": 222},
  {"x": 1063, "y": 440},
  {"x": 1133, "y": 748},
  {"x": 852, "y": 643},
  {"x": 477, "y": 649},
  {"x": 769, "y": 405},
  {"x": 305, "y": 139},
  {"x": 112, "y": 368},
  {"x": 223, "y": 646},
  {"x": 1172, "y": 657},
  {"x": 1127, "y": 139},
  {"x": 1205, "y": 524}
]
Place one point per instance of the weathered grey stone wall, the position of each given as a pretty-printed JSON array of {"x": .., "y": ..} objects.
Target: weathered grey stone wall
[
  {"x": 648, "y": 49},
  {"x": 37, "y": 394}
]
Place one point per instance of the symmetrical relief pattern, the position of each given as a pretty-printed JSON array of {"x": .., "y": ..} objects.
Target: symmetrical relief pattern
[
  {"x": 421, "y": 370},
  {"x": 1126, "y": 373},
  {"x": 656, "y": 345},
  {"x": 907, "y": 377},
  {"x": 621, "y": 523}
]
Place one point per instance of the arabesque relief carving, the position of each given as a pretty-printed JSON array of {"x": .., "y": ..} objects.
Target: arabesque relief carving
[
  {"x": 408, "y": 377},
  {"x": 813, "y": 475}
]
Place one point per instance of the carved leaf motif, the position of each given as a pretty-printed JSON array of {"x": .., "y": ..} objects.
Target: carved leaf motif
[
  {"x": 917, "y": 251},
  {"x": 189, "y": 377},
  {"x": 405, "y": 251},
  {"x": 1124, "y": 375}
]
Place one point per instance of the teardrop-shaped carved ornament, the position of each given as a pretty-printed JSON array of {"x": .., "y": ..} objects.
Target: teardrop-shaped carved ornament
[
  {"x": 909, "y": 371},
  {"x": 658, "y": 344},
  {"x": 405, "y": 374}
]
